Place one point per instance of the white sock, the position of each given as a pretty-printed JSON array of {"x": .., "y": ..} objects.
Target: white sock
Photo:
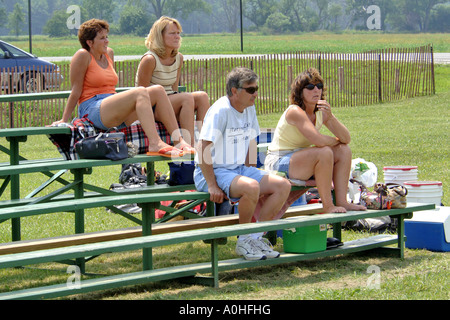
[
  {"x": 244, "y": 237},
  {"x": 257, "y": 235}
]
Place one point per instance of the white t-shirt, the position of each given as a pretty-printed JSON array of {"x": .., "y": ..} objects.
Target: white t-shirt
[{"x": 230, "y": 131}]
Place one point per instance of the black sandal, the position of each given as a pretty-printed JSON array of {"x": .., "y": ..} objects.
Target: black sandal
[{"x": 333, "y": 243}]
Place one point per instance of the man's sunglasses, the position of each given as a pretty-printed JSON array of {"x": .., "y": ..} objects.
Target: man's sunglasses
[
  {"x": 312, "y": 86},
  {"x": 250, "y": 90}
]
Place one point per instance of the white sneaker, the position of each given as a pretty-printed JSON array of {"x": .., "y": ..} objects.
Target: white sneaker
[
  {"x": 129, "y": 208},
  {"x": 249, "y": 249},
  {"x": 266, "y": 248}
]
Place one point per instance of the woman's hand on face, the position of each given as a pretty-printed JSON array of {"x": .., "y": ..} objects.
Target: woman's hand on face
[{"x": 324, "y": 106}]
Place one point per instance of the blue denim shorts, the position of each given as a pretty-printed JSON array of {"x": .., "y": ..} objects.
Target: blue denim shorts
[
  {"x": 91, "y": 109},
  {"x": 224, "y": 178},
  {"x": 283, "y": 164},
  {"x": 275, "y": 162}
]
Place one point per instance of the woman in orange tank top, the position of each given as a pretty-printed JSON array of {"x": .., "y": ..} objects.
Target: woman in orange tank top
[{"x": 93, "y": 80}]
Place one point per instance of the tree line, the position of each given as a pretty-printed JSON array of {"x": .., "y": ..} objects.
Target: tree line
[{"x": 50, "y": 17}]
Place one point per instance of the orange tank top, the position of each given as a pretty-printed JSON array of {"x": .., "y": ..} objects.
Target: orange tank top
[{"x": 98, "y": 80}]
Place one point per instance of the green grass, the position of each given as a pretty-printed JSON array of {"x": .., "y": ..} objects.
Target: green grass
[
  {"x": 345, "y": 42},
  {"x": 420, "y": 275},
  {"x": 442, "y": 74},
  {"x": 408, "y": 132}
]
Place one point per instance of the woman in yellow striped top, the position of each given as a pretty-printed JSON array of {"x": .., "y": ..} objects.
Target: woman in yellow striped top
[{"x": 162, "y": 65}]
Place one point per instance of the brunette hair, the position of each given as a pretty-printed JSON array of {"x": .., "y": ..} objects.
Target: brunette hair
[
  {"x": 155, "y": 40},
  {"x": 89, "y": 29},
  {"x": 312, "y": 76}
]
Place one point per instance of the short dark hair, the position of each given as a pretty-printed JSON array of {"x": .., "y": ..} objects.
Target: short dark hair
[{"x": 89, "y": 29}]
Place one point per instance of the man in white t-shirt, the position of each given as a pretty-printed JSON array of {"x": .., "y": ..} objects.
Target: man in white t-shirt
[{"x": 226, "y": 158}]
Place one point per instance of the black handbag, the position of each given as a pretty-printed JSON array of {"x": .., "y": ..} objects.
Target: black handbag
[{"x": 105, "y": 145}]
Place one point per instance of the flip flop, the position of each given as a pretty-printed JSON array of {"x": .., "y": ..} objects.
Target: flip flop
[
  {"x": 188, "y": 149},
  {"x": 165, "y": 152}
]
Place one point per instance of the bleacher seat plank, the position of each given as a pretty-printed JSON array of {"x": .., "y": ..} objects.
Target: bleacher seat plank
[
  {"x": 93, "y": 202},
  {"x": 30, "y": 131},
  {"x": 157, "y": 188},
  {"x": 79, "y": 164},
  {"x": 309, "y": 209},
  {"x": 18, "y": 97},
  {"x": 126, "y": 233},
  {"x": 175, "y": 226},
  {"x": 142, "y": 277},
  {"x": 19, "y": 259},
  {"x": 110, "y": 282}
]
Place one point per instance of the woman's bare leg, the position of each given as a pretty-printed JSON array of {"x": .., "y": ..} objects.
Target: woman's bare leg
[
  {"x": 183, "y": 106},
  {"x": 129, "y": 106},
  {"x": 165, "y": 113},
  {"x": 341, "y": 175},
  {"x": 201, "y": 102},
  {"x": 318, "y": 162}
]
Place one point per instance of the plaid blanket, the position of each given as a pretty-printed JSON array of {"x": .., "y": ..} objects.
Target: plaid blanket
[{"x": 83, "y": 128}]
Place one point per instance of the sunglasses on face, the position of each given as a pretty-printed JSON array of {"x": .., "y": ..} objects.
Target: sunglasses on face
[
  {"x": 250, "y": 90},
  {"x": 312, "y": 86}
]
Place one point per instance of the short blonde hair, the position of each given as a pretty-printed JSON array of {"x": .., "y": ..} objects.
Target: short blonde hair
[{"x": 155, "y": 40}]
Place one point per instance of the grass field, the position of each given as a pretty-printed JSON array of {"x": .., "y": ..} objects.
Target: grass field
[
  {"x": 407, "y": 132},
  {"x": 345, "y": 42}
]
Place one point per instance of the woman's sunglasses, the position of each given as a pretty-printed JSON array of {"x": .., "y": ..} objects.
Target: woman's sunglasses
[
  {"x": 312, "y": 86},
  {"x": 250, "y": 90}
]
